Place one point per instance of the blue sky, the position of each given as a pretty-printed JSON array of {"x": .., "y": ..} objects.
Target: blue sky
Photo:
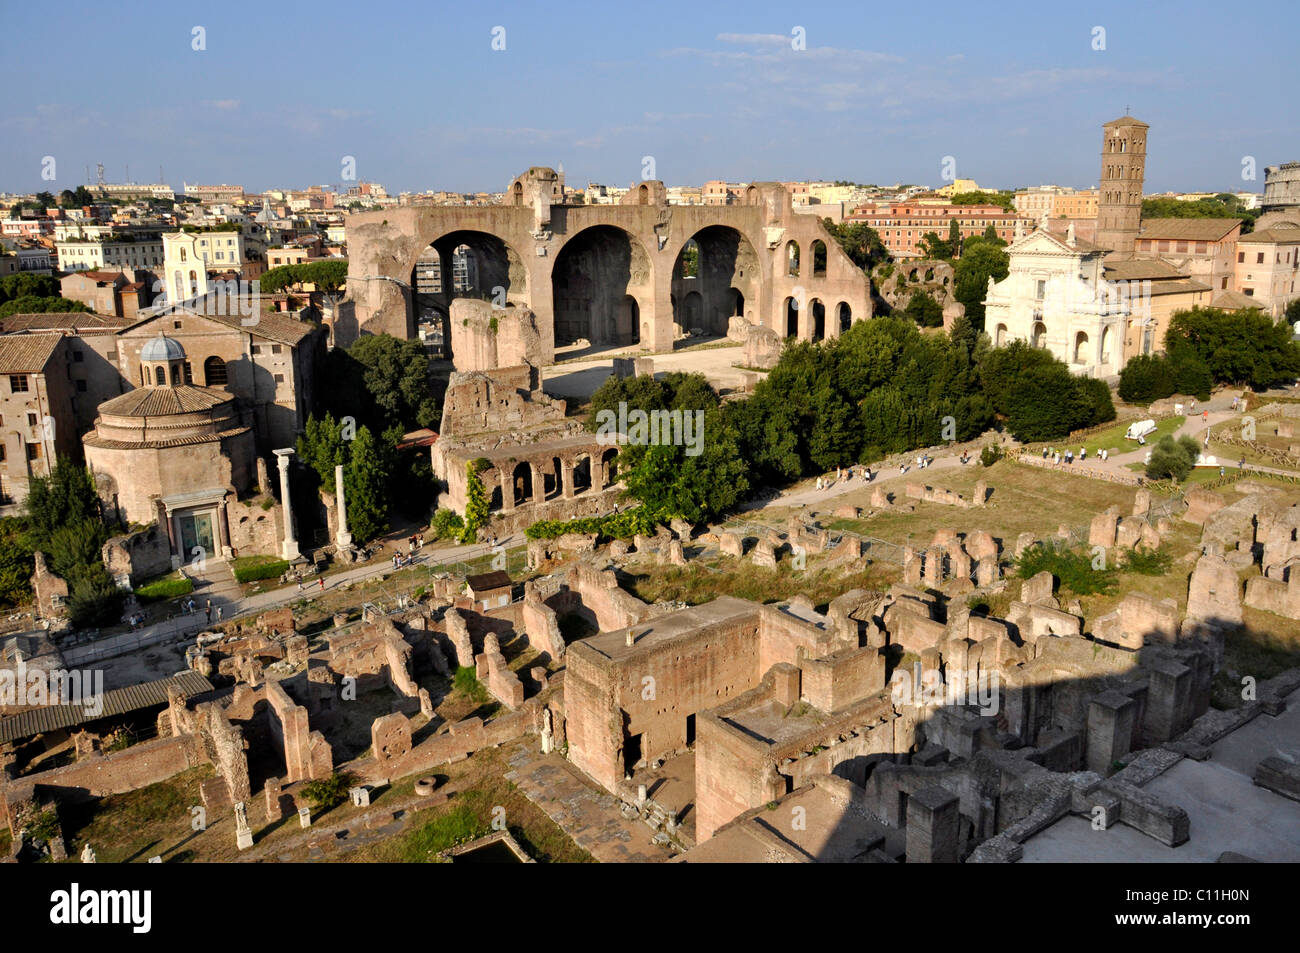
[{"x": 1015, "y": 93}]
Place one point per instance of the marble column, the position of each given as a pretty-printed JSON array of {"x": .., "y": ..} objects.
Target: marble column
[
  {"x": 289, "y": 548},
  {"x": 343, "y": 539}
]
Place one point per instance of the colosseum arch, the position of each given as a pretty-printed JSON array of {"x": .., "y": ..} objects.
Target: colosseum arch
[
  {"x": 726, "y": 276},
  {"x": 597, "y": 280}
]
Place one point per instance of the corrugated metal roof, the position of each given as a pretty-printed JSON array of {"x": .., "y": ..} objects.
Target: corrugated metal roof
[{"x": 119, "y": 701}]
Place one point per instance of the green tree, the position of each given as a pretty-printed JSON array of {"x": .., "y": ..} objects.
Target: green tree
[
  {"x": 383, "y": 382},
  {"x": 924, "y": 310},
  {"x": 365, "y": 480},
  {"x": 932, "y": 246},
  {"x": 1005, "y": 199},
  {"x": 16, "y": 565},
  {"x": 1146, "y": 377},
  {"x": 1238, "y": 347},
  {"x": 954, "y": 237},
  {"x": 980, "y": 261},
  {"x": 323, "y": 448},
  {"x": 66, "y": 497},
  {"x": 327, "y": 275},
  {"x": 859, "y": 241},
  {"x": 1172, "y": 458}
]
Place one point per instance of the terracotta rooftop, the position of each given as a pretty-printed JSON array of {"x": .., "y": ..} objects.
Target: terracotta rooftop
[
  {"x": 1278, "y": 233},
  {"x": 1188, "y": 229},
  {"x": 61, "y": 321},
  {"x": 165, "y": 401},
  {"x": 26, "y": 353}
]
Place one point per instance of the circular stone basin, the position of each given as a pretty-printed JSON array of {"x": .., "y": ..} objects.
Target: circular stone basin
[{"x": 424, "y": 787}]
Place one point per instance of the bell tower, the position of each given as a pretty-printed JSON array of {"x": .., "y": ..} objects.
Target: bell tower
[{"x": 1123, "y": 167}]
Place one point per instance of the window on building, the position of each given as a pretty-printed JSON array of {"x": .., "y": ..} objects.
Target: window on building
[
  {"x": 1259, "y": 258},
  {"x": 1248, "y": 292},
  {"x": 17, "y": 383},
  {"x": 1241, "y": 257},
  {"x": 78, "y": 357},
  {"x": 257, "y": 349},
  {"x": 214, "y": 372},
  {"x": 279, "y": 378},
  {"x": 1224, "y": 285},
  {"x": 31, "y": 420},
  {"x": 2, "y": 453},
  {"x": 189, "y": 373},
  {"x": 33, "y": 451},
  {"x": 276, "y": 349},
  {"x": 81, "y": 387}
]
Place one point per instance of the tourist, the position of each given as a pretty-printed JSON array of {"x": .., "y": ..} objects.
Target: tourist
[
  {"x": 1083, "y": 453},
  {"x": 220, "y": 612},
  {"x": 321, "y": 580},
  {"x": 1221, "y": 471}
]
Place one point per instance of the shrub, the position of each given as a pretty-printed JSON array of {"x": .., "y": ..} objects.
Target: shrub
[
  {"x": 611, "y": 526},
  {"x": 1148, "y": 562},
  {"x": 328, "y": 792},
  {"x": 252, "y": 572},
  {"x": 446, "y": 524},
  {"x": 1071, "y": 567},
  {"x": 1173, "y": 459},
  {"x": 991, "y": 454}
]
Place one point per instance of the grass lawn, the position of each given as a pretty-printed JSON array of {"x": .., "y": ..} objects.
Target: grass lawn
[
  {"x": 1113, "y": 439},
  {"x": 480, "y": 792},
  {"x": 1023, "y": 499}
]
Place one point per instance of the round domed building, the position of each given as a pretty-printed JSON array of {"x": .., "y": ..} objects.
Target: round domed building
[{"x": 172, "y": 452}]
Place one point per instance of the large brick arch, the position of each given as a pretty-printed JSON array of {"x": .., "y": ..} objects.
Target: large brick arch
[{"x": 386, "y": 244}]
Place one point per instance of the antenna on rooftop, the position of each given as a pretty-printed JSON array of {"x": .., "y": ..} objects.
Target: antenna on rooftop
[{"x": 99, "y": 171}]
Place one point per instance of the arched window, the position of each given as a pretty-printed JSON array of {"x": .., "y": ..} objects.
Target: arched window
[
  {"x": 214, "y": 372},
  {"x": 160, "y": 376},
  {"x": 176, "y": 375},
  {"x": 194, "y": 282},
  {"x": 792, "y": 259}
]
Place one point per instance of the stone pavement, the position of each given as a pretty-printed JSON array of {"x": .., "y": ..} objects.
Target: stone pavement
[{"x": 587, "y": 814}]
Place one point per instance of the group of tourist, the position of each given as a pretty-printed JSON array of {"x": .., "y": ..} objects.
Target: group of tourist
[
  {"x": 843, "y": 474},
  {"x": 1067, "y": 456}
]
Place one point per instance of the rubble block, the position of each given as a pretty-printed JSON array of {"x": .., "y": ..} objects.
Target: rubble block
[
  {"x": 1101, "y": 531},
  {"x": 1214, "y": 591},
  {"x": 502, "y": 682},
  {"x": 618, "y": 548},
  {"x": 541, "y": 626},
  {"x": 932, "y": 826},
  {"x": 1273, "y": 595},
  {"x": 1037, "y": 621},
  {"x": 672, "y": 554},
  {"x": 911, "y": 567},
  {"x": 732, "y": 544},
  {"x": 1279, "y": 776},
  {"x": 1037, "y": 590},
  {"x": 1143, "y": 811},
  {"x": 1023, "y": 542},
  {"x": 1137, "y": 618},
  {"x": 277, "y": 621},
  {"x": 1169, "y": 708},
  {"x": 1111, "y": 719},
  {"x": 981, "y": 493},
  {"x": 879, "y": 498},
  {"x": 683, "y": 529},
  {"x": 1142, "y": 502},
  {"x": 1201, "y": 504},
  {"x": 912, "y": 630},
  {"x": 458, "y": 633},
  {"x": 847, "y": 512},
  {"x": 764, "y": 554},
  {"x": 390, "y": 737}
]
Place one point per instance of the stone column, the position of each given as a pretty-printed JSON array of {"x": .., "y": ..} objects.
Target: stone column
[
  {"x": 507, "y": 490},
  {"x": 567, "y": 470},
  {"x": 343, "y": 539},
  {"x": 539, "y": 483},
  {"x": 223, "y": 529},
  {"x": 289, "y": 548}
]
